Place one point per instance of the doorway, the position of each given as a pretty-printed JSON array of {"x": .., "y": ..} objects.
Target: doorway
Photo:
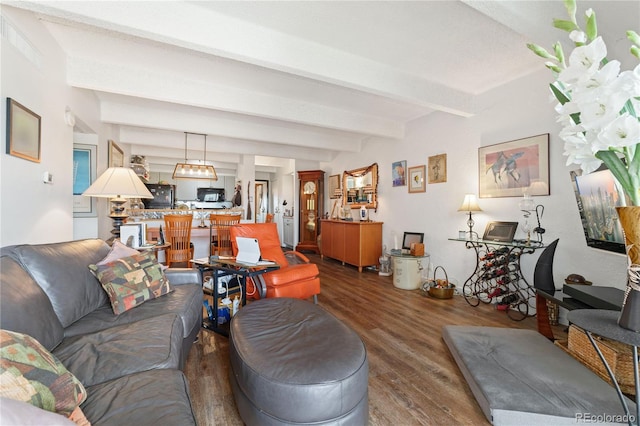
[{"x": 261, "y": 200}]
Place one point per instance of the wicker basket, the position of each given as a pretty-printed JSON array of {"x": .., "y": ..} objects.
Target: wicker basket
[
  {"x": 618, "y": 356},
  {"x": 439, "y": 288}
]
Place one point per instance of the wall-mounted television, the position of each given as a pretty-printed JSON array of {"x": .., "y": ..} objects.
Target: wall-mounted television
[{"x": 598, "y": 194}]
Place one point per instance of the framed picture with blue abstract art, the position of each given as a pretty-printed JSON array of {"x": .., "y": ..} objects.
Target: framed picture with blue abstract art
[
  {"x": 508, "y": 169},
  {"x": 84, "y": 174},
  {"x": 398, "y": 173}
]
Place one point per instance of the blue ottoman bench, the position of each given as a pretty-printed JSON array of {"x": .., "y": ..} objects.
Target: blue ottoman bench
[
  {"x": 294, "y": 363},
  {"x": 519, "y": 377}
]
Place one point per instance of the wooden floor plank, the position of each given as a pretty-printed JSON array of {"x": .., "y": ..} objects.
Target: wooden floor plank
[{"x": 413, "y": 380}]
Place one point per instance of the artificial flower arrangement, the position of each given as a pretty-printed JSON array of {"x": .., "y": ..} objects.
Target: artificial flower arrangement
[{"x": 598, "y": 105}]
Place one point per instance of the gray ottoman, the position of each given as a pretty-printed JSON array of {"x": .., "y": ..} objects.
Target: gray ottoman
[{"x": 294, "y": 363}]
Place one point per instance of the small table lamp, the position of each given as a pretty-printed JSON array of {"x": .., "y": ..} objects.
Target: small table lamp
[
  {"x": 119, "y": 184},
  {"x": 470, "y": 204}
]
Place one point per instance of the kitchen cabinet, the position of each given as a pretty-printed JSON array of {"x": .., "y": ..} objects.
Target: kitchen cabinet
[{"x": 354, "y": 243}]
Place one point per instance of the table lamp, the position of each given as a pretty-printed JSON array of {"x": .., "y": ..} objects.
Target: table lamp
[
  {"x": 119, "y": 184},
  {"x": 470, "y": 205}
]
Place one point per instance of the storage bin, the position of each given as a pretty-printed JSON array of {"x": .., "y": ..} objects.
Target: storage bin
[
  {"x": 618, "y": 356},
  {"x": 407, "y": 271}
]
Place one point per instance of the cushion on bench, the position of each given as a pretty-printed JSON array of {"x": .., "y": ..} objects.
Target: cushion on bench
[{"x": 520, "y": 377}]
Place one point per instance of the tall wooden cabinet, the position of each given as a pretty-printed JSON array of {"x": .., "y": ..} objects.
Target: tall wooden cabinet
[
  {"x": 355, "y": 243},
  {"x": 311, "y": 207}
]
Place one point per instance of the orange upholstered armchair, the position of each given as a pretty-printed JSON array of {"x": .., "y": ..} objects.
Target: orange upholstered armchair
[{"x": 293, "y": 279}]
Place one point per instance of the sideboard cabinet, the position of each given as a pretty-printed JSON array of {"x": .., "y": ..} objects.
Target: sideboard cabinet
[{"x": 355, "y": 243}]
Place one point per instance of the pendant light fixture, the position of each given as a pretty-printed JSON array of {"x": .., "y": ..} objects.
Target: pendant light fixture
[{"x": 194, "y": 171}]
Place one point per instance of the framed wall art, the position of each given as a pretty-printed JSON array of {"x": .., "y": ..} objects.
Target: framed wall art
[
  {"x": 23, "y": 132},
  {"x": 84, "y": 174},
  {"x": 116, "y": 155},
  {"x": 334, "y": 186},
  {"x": 416, "y": 179},
  {"x": 507, "y": 169},
  {"x": 398, "y": 171},
  {"x": 438, "y": 168}
]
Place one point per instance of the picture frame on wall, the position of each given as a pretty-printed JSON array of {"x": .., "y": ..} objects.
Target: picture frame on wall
[
  {"x": 116, "y": 155},
  {"x": 416, "y": 179},
  {"x": 84, "y": 174},
  {"x": 508, "y": 169},
  {"x": 438, "y": 168},
  {"x": 398, "y": 173},
  {"x": 334, "y": 186},
  {"x": 23, "y": 132}
]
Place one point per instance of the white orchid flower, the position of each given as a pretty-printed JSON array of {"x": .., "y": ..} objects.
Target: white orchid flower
[
  {"x": 584, "y": 61},
  {"x": 578, "y": 36},
  {"x": 621, "y": 132}
]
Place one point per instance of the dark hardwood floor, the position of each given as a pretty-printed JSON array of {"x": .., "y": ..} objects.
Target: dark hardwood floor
[{"x": 413, "y": 380}]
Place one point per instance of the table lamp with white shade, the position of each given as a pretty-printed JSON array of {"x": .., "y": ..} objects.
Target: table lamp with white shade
[
  {"x": 119, "y": 184},
  {"x": 470, "y": 205}
]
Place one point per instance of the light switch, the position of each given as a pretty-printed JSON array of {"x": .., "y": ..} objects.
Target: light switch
[{"x": 47, "y": 177}]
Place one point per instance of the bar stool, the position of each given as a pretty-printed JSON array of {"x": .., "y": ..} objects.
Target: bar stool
[
  {"x": 221, "y": 240},
  {"x": 178, "y": 234}
]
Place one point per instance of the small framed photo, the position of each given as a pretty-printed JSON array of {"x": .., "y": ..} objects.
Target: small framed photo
[
  {"x": 23, "y": 132},
  {"x": 116, "y": 155},
  {"x": 334, "y": 186},
  {"x": 398, "y": 172},
  {"x": 501, "y": 232},
  {"x": 438, "y": 168},
  {"x": 416, "y": 179},
  {"x": 508, "y": 168}
]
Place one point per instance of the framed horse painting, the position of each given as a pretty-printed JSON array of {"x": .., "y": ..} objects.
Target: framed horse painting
[{"x": 511, "y": 169}]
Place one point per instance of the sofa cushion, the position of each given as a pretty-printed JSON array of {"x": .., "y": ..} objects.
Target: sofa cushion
[
  {"x": 156, "y": 397},
  {"x": 30, "y": 373},
  {"x": 131, "y": 281},
  {"x": 25, "y": 308},
  {"x": 117, "y": 351},
  {"x": 61, "y": 270},
  {"x": 184, "y": 301}
]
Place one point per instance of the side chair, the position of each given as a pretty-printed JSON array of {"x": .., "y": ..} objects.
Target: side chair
[{"x": 297, "y": 277}]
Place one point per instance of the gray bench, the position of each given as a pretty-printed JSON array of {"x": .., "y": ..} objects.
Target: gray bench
[{"x": 519, "y": 377}]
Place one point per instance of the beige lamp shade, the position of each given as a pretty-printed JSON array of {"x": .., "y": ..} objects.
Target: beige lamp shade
[
  {"x": 118, "y": 182},
  {"x": 470, "y": 204}
]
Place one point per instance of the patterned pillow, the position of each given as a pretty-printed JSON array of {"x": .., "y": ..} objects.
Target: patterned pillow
[
  {"x": 29, "y": 373},
  {"x": 132, "y": 280}
]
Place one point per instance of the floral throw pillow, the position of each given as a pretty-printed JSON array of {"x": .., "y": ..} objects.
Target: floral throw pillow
[
  {"x": 29, "y": 373},
  {"x": 132, "y": 280}
]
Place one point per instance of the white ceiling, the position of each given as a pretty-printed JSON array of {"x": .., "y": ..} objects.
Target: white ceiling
[{"x": 294, "y": 79}]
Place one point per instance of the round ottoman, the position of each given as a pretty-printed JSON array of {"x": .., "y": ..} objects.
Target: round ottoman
[{"x": 294, "y": 363}]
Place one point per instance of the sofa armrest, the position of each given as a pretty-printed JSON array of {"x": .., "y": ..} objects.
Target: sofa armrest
[{"x": 178, "y": 276}]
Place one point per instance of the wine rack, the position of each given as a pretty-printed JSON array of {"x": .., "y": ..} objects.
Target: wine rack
[{"x": 498, "y": 278}]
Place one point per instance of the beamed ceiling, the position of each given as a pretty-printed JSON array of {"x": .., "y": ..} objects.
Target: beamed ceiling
[{"x": 295, "y": 79}]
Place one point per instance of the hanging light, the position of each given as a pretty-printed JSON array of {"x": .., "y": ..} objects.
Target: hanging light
[{"x": 194, "y": 171}]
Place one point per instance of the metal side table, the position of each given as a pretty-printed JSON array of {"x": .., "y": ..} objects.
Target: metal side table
[{"x": 605, "y": 323}]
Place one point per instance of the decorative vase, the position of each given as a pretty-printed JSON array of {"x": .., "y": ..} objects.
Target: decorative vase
[{"x": 630, "y": 222}]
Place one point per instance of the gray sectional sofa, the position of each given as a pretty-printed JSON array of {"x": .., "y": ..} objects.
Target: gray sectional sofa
[{"x": 130, "y": 364}]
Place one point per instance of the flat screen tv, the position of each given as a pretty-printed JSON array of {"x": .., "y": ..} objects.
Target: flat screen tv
[{"x": 597, "y": 195}]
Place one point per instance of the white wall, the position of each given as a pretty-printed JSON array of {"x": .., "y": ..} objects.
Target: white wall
[
  {"x": 518, "y": 110},
  {"x": 31, "y": 211}
]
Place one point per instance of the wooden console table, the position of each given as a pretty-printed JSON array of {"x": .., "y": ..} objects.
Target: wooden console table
[{"x": 355, "y": 243}]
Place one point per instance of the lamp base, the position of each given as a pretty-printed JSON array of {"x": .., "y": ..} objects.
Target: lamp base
[{"x": 118, "y": 220}]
